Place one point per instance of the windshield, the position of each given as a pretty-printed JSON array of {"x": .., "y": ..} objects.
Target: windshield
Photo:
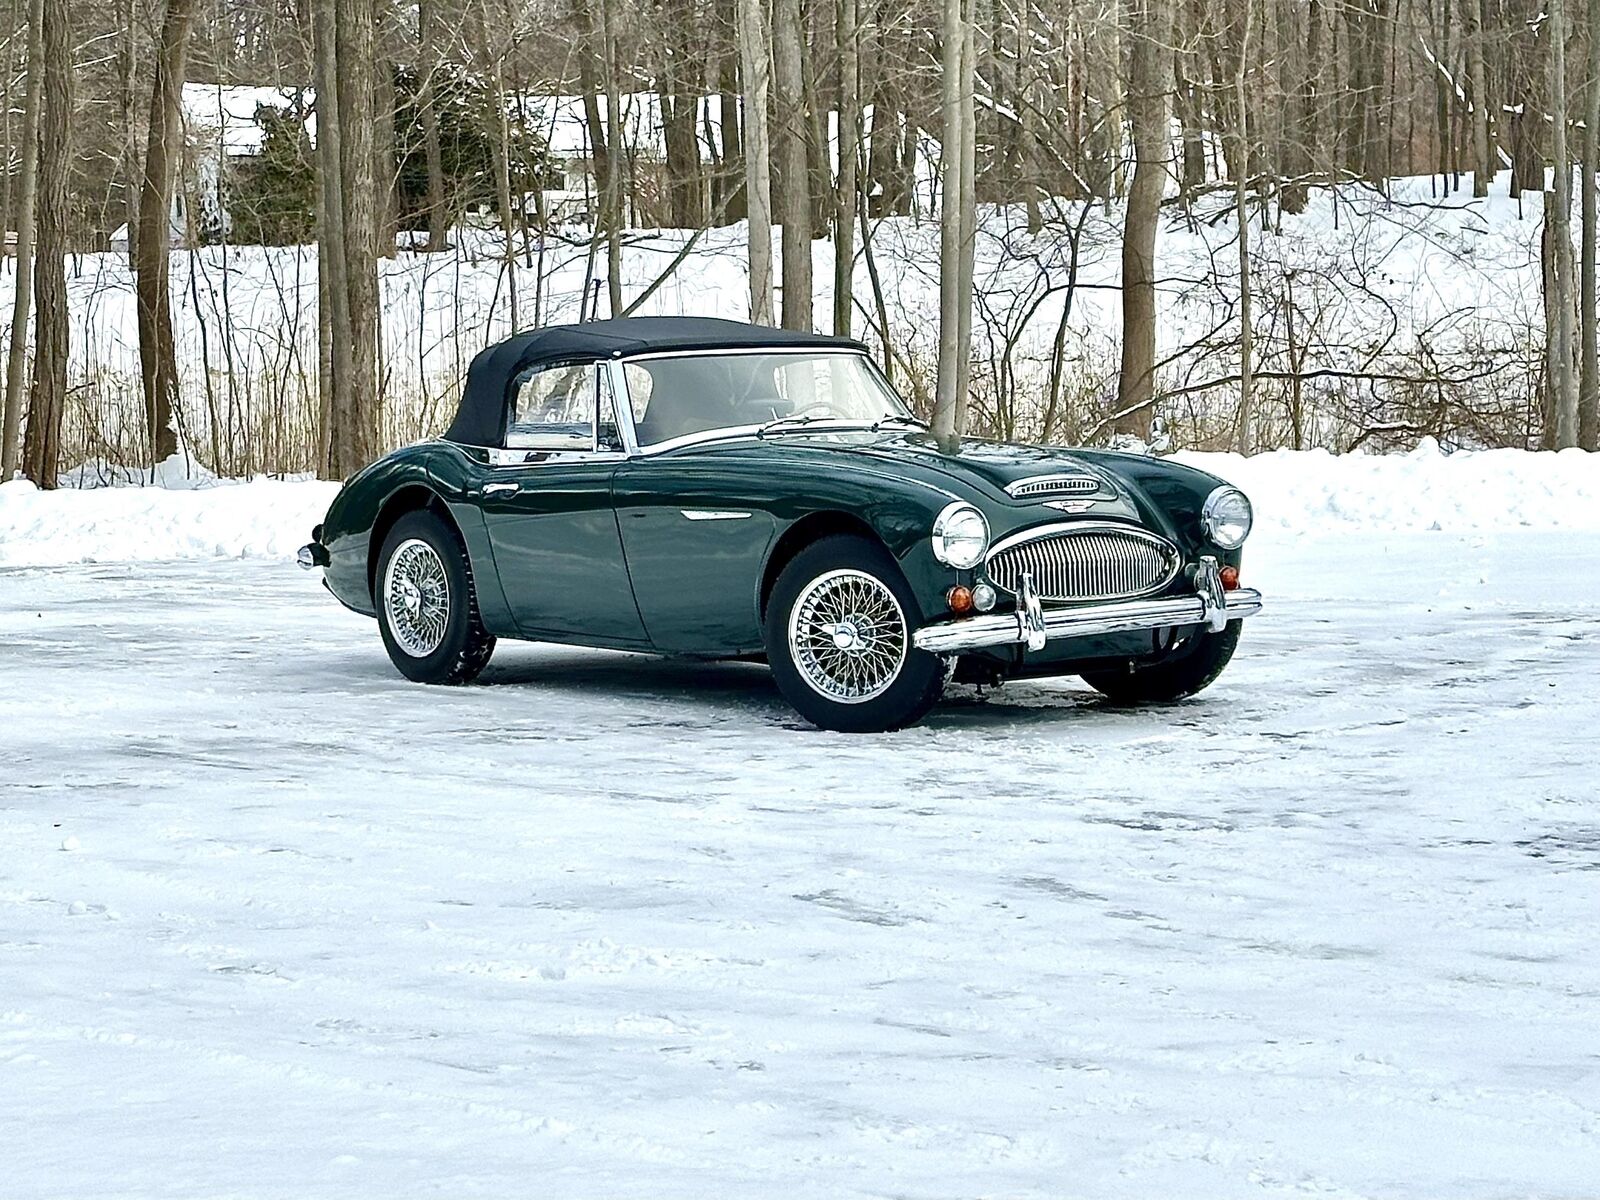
[{"x": 679, "y": 395}]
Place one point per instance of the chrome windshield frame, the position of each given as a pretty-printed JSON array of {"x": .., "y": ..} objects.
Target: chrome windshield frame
[{"x": 623, "y": 399}]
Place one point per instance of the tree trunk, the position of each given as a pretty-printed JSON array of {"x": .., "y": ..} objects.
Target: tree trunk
[
  {"x": 428, "y": 110},
  {"x": 613, "y": 197},
  {"x": 1147, "y": 110},
  {"x": 730, "y": 199},
  {"x": 349, "y": 29},
  {"x": 680, "y": 109},
  {"x": 756, "y": 62},
  {"x": 1187, "y": 98},
  {"x": 947, "y": 403},
  {"x": 1103, "y": 108},
  {"x": 1244, "y": 434},
  {"x": 27, "y": 191},
  {"x": 1300, "y": 160},
  {"x": 1589, "y": 380},
  {"x": 1483, "y": 165},
  {"x": 794, "y": 194},
  {"x": 48, "y": 395},
  {"x": 1527, "y": 159},
  {"x": 335, "y": 365},
  {"x": 385, "y": 171},
  {"x": 158, "y": 359},
  {"x": 500, "y": 120},
  {"x": 844, "y": 221},
  {"x": 1559, "y": 216},
  {"x": 968, "y": 216},
  {"x": 131, "y": 173}
]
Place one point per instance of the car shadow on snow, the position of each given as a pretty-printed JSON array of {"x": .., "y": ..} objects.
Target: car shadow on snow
[{"x": 708, "y": 686}]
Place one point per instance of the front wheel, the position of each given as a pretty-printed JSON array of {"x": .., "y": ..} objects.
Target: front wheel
[
  {"x": 1192, "y": 667},
  {"x": 838, "y": 634},
  {"x": 427, "y": 610}
]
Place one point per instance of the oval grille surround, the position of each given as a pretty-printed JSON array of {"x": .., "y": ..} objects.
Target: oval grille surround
[{"x": 1086, "y": 564}]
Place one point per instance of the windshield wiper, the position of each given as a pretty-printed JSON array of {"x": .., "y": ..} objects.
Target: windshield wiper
[
  {"x": 778, "y": 423},
  {"x": 899, "y": 419}
]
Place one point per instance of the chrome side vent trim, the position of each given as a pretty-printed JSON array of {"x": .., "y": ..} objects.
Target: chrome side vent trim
[
  {"x": 1083, "y": 562},
  {"x": 1053, "y": 485}
]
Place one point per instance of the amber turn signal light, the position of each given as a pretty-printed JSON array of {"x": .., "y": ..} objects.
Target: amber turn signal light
[
  {"x": 959, "y": 599},
  {"x": 1230, "y": 577}
]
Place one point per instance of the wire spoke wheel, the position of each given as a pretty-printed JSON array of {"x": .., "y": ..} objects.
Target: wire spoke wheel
[
  {"x": 848, "y": 636},
  {"x": 416, "y": 597}
]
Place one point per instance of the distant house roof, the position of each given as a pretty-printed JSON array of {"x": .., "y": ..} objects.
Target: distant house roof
[
  {"x": 227, "y": 112},
  {"x": 561, "y": 122}
]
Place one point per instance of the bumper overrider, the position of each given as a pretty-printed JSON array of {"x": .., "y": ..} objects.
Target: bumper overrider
[
  {"x": 313, "y": 554},
  {"x": 1031, "y": 625}
]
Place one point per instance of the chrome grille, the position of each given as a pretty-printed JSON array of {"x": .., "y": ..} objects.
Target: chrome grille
[
  {"x": 1054, "y": 485},
  {"x": 1085, "y": 563}
]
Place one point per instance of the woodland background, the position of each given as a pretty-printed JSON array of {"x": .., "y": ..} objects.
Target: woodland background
[{"x": 1225, "y": 224}]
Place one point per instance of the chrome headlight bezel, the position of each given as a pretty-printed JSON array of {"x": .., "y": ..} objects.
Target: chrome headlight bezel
[
  {"x": 1227, "y": 517},
  {"x": 955, "y": 523}
]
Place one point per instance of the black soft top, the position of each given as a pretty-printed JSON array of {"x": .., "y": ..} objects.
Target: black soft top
[{"x": 480, "y": 419}]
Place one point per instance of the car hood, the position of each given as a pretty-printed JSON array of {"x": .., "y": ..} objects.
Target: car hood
[
  {"x": 984, "y": 467},
  {"x": 1160, "y": 494},
  {"x": 978, "y": 462}
]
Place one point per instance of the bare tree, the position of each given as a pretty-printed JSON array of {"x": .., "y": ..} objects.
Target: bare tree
[
  {"x": 335, "y": 361},
  {"x": 1147, "y": 110},
  {"x": 1588, "y": 286},
  {"x": 158, "y": 358},
  {"x": 955, "y": 86},
  {"x": 756, "y": 65},
  {"x": 794, "y": 196},
  {"x": 1483, "y": 167},
  {"x": 846, "y": 201},
  {"x": 429, "y": 60},
  {"x": 26, "y": 191},
  {"x": 1241, "y": 214},
  {"x": 349, "y": 226},
  {"x": 1562, "y": 380},
  {"x": 48, "y": 395}
]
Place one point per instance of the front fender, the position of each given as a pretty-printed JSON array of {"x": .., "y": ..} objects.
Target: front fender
[{"x": 1170, "y": 496}]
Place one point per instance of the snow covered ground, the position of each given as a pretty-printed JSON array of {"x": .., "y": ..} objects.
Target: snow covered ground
[{"x": 275, "y": 923}]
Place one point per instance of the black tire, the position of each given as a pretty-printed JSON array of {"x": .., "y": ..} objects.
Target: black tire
[
  {"x": 1190, "y": 668},
  {"x": 465, "y": 646},
  {"x": 904, "y": 694}
]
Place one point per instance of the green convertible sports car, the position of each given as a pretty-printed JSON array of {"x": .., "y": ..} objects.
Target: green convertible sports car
[{"x": 686, "y": 486}]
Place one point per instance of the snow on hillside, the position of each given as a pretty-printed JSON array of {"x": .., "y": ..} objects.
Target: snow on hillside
[{"x": 1295, "y": 495}]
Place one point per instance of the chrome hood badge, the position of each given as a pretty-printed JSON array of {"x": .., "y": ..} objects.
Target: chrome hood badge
[{"x": 1070, "y": 506}]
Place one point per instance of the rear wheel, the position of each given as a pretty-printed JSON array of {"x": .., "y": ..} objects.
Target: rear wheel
[
  {"x": 427, "y": 609},
  {"x": 838, "y": 635},
  {"x": 1191, "y": 668}
]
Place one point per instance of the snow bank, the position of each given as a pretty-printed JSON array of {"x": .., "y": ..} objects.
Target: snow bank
[
  {"x": 264, "y": 518},
  {"x": 1301, "y": 493},
  {"x": 1312, "y": 491}
]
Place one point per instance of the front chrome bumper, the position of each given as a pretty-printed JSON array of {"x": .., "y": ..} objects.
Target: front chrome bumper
[{"x": 1031, "y": 625}]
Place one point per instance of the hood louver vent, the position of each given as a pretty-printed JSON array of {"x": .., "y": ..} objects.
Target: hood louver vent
[{"x": 1053, "y": 485}]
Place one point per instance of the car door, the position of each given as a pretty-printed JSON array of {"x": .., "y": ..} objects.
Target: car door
[
  {"x": 695, "y": 547},
  {"x": 547, "y": 506}
]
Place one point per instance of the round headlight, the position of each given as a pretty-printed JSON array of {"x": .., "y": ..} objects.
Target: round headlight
[
  {"x": 960, "y": 536},
  {"x": 1227, "y": 517}
]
